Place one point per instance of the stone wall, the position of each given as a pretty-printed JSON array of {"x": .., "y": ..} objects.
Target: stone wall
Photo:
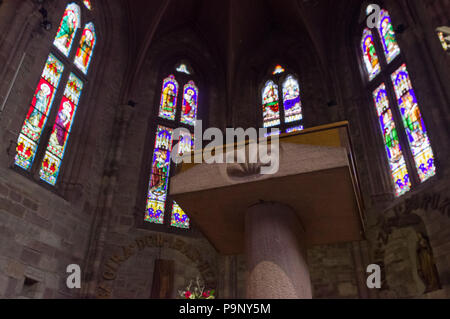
[
  {"x": 44, "y": 229},
  {"x": 97, "y": 210}
]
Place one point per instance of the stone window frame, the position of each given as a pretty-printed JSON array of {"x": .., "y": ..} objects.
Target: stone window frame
[
  {"x": 168, "y": 68},
  {"x": 369, "y": 86},
  {"x": 62, "y": 186},
  {"x": 279, "y": 79}
]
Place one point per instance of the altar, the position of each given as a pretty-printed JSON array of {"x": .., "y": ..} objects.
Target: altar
[{"x": 313, "y": 199}]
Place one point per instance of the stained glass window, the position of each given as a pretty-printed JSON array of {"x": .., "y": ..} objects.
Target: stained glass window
[
  {"x": 443, "y": 41},
  {"x": 391, "y": 140},
  {"x": 158, "y": 201},
  {"x": 38, "y": 113},
  {"x": 182, "y": 68},
  {"x": 413, "y": 122},
  {"x": 295, "y": 129},
  {"x": 387, "y": 35},
  {"x": 179, "y": 217},
  {"x": 61, "y": 131},
  {"x": 87, "y": 4},
  {"x": 41, "y": 106},
  {"x": 291, "y": 100},
  {"x": 278, "y": 70},
  {"x": 371, "y": 61},
  {"x": 168, "y": 105},
  {"x": 67, "y": 29},
  {"x": 409, "y": 117},
  {"x": 271, "y": 104},
  {"x": 190, "y": 103},
  {"x": 273, "y": 132},
  {"x": 84, "y": 53},
  {"x": 159, "y": 180}
]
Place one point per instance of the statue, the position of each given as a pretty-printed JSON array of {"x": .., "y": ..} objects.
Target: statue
[{"x": 425, "y": 263}]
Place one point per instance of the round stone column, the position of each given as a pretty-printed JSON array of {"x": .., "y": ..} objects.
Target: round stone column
[{"x": 276, "y": 256}]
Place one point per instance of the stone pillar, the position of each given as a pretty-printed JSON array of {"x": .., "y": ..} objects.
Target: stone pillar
[{"x": 276, "y": 254}]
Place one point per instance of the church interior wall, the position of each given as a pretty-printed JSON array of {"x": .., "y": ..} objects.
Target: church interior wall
[{"x": 93, "y": 218}]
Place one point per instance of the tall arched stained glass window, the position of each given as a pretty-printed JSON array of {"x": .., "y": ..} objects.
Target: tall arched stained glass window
[
  {"x": 406, "y": 140},
  {"x": 371, "y": 61},
  {"x": 387, "y": 35},
  {"x": 37, "y": 116},
  {"x": 177, "y": 109},
  {"x": 68, "y": 28},
  {"x": 391, "y": 140},
  {"x": 86, "y": 49},
  {"x": 291, "y": 100},
  {"x": 58, "y": 67},
  {"x": 169, "y": 96},
  {"x": 414, "y": 125},
  {"x": 285, "y": 113},
  {"x": 190, "y": 103},
  {"x": 271, "y": 104}
]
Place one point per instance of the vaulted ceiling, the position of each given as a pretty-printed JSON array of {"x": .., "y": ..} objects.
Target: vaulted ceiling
[{"x": 233, "y": 27}]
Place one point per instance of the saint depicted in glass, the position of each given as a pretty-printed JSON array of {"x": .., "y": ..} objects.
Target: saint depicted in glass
[
  {"x": 61, "y": 130},
  {"x": 38, "y": 113},
  {"x": 387, "y": 35},
  {"x": 168, "y": 105},
  {"x": 394, "y": 153},
  {"x": 415, "y": 127},
  {"x": 370, "y": 56},
  {"x": 159, "y": 179},
  {"x": 271, "y": 105},
  {"x": 84, "y": 53},
  {"x": 291, "y": 100},
  {"x": 67, "y": 29},
  {"x": 190, "y": 103}
]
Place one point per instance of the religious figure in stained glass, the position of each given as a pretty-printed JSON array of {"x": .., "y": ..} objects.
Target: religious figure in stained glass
[
  {"x": 61, "y": 130},
  {"x": 84, "y": 53},
  {"x": 413, "y": 122},
  {"x": 169, "y": 94},
  {"x": 159, "y": 179},
  {"x": 67, "y": 29},
  {"x": 291, "y": 100},
  {"x": 394, "y": 153},
  {"x": 370, "y": 56},
  {"x": 190, "y": 103},
  {"x": 271, "y": 105},
  {"x": 387, "y": 35},
  {"x": 37, "y": 115}
]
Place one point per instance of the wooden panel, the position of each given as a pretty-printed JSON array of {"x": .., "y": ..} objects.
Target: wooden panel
[{"x": 162, "y": 286}]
